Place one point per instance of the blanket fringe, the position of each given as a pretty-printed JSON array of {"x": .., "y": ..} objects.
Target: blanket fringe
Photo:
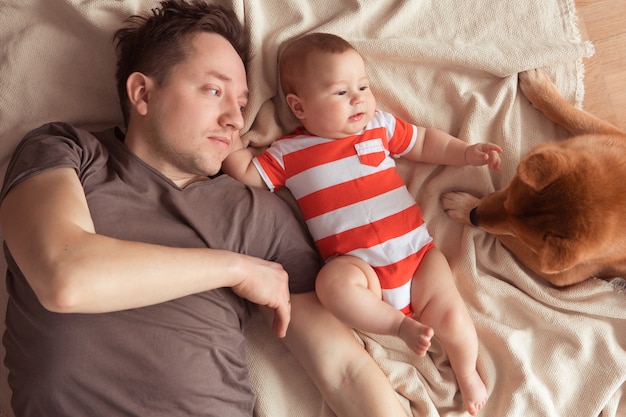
[{"x": 619, "y": 284}]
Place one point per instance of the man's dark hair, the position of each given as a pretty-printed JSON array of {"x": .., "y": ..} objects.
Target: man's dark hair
[{"x": 152, "y": 44}]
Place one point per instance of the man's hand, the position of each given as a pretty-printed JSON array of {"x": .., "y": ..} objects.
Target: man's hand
[{"x": 266, "y": 283}]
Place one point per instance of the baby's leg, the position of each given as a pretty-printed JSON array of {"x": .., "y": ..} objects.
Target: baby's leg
[
  {"x": 350, "y": 289},
  {"x": 437, "y": 303},
  {"x": 349, "y": 379}
]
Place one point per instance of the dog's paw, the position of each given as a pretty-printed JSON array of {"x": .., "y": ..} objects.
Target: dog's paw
[
  {"x": 458, "y": 205},
  {"x": 532, "y": 76},
  {"x": 536, "y": 86}
]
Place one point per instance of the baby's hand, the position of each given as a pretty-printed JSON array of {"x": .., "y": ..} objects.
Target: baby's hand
[
  {"x": 483, "y": 153},
  {"x": 236, "y": 142}
]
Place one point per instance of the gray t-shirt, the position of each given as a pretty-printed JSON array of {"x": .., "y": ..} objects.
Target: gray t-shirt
[{"x": 184, "y": 357}]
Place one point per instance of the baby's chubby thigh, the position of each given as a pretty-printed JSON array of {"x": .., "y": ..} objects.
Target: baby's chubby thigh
[{"x": 345, "y": 270}]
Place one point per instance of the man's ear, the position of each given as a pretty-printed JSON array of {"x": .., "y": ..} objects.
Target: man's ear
[
  {"x": 138, "y": 87},
  {"x": 295, "y": 105}
]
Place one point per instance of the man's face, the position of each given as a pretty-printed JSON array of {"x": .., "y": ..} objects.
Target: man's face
[{"x": 194, "y": 117}]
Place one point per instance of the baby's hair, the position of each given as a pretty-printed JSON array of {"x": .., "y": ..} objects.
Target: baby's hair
[{"x": 293, "y": 59}]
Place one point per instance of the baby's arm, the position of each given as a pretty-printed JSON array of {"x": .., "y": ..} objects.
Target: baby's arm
[
  {"x": 435, "y": 146},
  {"x": 239, "y": 166}
]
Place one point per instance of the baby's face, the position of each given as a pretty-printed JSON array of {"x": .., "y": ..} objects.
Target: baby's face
[{"x": 336, "y": 99}]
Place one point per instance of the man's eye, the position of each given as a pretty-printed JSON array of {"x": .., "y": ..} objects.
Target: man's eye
[{"x": 212, "y": 91}]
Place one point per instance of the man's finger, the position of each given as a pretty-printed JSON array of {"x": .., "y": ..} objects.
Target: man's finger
[{"x": 282, "y": 317}]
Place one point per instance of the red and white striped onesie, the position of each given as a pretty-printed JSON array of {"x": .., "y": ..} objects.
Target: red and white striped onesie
[{"x": 353, "y": 200}]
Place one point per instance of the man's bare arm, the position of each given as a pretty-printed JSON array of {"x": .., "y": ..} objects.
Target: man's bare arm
[{"x": 47, "y": 226}]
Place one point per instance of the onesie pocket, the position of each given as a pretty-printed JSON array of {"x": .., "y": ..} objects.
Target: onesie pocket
[{"x": 371, "y": 152}]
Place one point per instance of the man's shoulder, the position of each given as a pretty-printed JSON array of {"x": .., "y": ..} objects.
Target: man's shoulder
[
  {"x": 57, "y": 129},
  {"x": 56, "y": 132},
  {"x": 52, "y": 145}
]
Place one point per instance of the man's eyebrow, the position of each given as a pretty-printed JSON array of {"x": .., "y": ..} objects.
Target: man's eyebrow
[{"x": 226, "y": 78}]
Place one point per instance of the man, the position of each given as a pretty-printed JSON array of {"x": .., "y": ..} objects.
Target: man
[{"x": 129, "y": 267}]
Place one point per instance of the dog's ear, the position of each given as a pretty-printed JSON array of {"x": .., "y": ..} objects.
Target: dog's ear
[
  {"x": 558, "y": 254},
  {"x": 540, "y": 169}
]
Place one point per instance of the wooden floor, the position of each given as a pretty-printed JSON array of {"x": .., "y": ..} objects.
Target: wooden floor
[{"x": 604, "y": 23}]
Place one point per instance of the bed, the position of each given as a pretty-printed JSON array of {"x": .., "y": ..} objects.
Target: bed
[{"x": 450, "y": 64}]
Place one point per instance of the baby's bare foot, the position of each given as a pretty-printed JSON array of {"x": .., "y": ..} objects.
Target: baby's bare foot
[
  {"x": 416, "y": 335},
  {"x": 473, "y": 391}
]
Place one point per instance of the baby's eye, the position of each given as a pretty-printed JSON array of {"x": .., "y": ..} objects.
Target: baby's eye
[
  {"x": 341, "y": 93},
  {"x": 364, "y": 87}
]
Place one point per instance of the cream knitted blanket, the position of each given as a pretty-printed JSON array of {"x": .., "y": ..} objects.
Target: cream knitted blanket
[{"x": 450, "y": 64}]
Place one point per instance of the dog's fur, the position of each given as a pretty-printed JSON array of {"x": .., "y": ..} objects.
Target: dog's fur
[{"x": 564, "y": 213}]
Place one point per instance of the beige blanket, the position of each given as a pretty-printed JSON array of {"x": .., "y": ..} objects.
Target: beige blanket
[{"x": 450, "y": 64}]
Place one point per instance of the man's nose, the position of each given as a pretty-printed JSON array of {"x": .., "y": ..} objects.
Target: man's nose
[{"x": 231, "y": 116}]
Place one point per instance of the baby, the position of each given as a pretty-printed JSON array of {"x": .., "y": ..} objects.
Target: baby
[{"x": 383, "y": 274}]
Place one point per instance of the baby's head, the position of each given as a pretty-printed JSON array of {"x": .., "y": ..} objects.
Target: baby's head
[{"x": 326, "y": 86}]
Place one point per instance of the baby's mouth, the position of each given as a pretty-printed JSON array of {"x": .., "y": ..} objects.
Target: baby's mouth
[{"x": 356, "y": 117}]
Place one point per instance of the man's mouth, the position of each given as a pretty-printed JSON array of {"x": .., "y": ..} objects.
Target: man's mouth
[{"x": 221, "y": 140}]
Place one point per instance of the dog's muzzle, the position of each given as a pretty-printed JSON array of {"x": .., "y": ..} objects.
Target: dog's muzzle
[{"x": 473, "y": 217}]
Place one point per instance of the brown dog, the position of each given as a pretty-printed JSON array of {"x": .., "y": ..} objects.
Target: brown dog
[{"x": 564, "y": 213}]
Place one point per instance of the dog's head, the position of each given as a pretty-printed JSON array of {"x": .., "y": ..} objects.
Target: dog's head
[{"x": 560, "y": 204}]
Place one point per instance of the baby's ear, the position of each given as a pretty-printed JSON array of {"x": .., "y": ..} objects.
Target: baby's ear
[{"x": 295, "y": 105}]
